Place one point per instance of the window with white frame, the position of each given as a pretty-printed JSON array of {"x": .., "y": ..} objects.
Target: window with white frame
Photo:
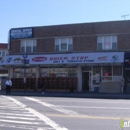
[
  {"x": 63, "y": 44},
  {"x": 28, "y": 46},
  {"x": 3, "y": 53},
  {"x": 107, "y": 42}
]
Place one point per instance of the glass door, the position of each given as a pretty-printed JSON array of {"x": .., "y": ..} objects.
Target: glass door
[{"x": 86, "y": 81}]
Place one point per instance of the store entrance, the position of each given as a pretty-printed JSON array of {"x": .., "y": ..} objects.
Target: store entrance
[{"x": 86, "y": 81}]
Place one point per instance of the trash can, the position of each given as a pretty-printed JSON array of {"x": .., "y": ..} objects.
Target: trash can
[{"x": 96, "y": 89}]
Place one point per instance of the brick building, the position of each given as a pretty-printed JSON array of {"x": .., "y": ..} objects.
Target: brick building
[
  {"x": 3, "y": 52},
  {"x": 81, "y": 57}
]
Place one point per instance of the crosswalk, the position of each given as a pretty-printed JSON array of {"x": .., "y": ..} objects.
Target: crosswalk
[{"x": 15, "y": 117}]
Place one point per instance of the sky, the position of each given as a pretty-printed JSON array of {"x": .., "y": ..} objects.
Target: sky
[{"x": 29, "y": 13}]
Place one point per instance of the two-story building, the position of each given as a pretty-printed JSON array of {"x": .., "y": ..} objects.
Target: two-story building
[
  {"x": 80, "y": 56},
  {"x": 3, "y": 52}
]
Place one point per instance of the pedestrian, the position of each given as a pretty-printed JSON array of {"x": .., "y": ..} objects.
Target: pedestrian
[
  {"x": 43, "y": 86},
  {"x": 8, "y": 84}
]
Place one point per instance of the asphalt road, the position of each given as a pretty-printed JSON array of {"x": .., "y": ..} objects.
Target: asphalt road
[{"x": 51, "y": 113}]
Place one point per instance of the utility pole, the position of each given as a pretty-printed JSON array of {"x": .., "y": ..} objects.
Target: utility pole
[{"x": 125, "y": 16}]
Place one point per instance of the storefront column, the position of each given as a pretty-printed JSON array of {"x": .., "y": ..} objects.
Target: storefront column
[
  {"x": 10, "y": 72},
  {"x": 79, "y": 73},
  {"x": 37, "y": 76}
]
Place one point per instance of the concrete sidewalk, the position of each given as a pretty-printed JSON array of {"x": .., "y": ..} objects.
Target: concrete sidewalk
[{"x": 68, "y": 94}]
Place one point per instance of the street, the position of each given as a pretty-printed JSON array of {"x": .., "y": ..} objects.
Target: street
[{"x": 55, "y": 113}]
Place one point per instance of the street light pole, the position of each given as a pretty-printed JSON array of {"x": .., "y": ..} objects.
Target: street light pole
[{"x": 24, "y": 56}]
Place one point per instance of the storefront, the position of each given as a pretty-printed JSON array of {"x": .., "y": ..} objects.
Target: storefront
[{"x": 86, "y": 70}]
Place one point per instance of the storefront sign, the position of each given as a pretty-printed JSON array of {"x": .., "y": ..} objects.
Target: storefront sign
[
  {"x": 74, "y": 58},
  {"x": 39, "y": 59},
  {"x": 21, "y": 33},
  {"x": 102, "y": 58},
  {"x": 17, "y": 60}
]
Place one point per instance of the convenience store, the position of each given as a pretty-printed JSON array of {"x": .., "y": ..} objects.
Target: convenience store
[{"x": 82, "y": 71}]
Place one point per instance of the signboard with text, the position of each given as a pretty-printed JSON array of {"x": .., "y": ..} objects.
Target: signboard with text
[
  {"x": 74, "y": 58},
  {"x": 21, "y": 33}
]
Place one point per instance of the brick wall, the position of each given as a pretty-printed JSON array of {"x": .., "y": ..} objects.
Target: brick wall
[
  {"x": 124, "y": 42},
  {"x": 15, "y": 47},
  {"x": 85, "y": 43},
  {"x": 45, "y": 45},
  {"x": 84, "y": 35}
]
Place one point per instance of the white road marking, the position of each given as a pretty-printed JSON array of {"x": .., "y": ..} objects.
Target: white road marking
[
  {"x": 57, "y": 108},
  {"x": 14, "y": 114},
  {"x": 16, "y": 127},
  {"x": 14, "y": 117},
  {"x": 84, "y": 107},
  {"x": 10, "y": 106},
  {"x": 26, "y": 115},
  {"x": 90, "y": 100},
  {"x": 19, "y": 122},
  {"x": 7, "y": 103},
  {"x": 41, "y": 116},
  {"x": 13, "y": 109}
]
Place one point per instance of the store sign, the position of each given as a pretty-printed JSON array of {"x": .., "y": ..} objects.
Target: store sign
[
  {"x": 17, "y": 60},
  {"x": 74, "y": 58},
  {"x": 102, "y": 58},
  {"x": 39, "y": 59},
  {"x": 21, "y": 33}
]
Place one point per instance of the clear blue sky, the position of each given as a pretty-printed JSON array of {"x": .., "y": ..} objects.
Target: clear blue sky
[{"x": 24, "y": 13}]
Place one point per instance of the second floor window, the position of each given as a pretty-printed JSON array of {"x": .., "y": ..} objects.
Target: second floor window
[
  {"x": 3, "y": 53},
  {"x": 107, "y": 42},
  {"x": 63, "y": 44},
  {"x": 28, "y": 46}
]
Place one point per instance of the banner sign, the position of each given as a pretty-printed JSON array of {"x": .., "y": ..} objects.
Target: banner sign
[
  {"x": 21, "y": 33},
  {"x": 74, "y": 58}
]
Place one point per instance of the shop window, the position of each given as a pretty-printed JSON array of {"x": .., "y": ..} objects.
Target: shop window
[
  {"x": 96, "y": 75},
  {"x": 28, "y": 72},
  {"x": 107, "y": 70},
  {"x": 107, "y": 73},
  {"x": 53, "y": 72},
  {"x": 28, "y": 46},
  {"x": 107, "y": 42},
  {"x": 72, "y": 72},
  {"x": 63, "y": 44},
  {"x": 44, "y": 72},
  {"x": 62, "y": 72},
  {"x": 17, "y": 73},
  {"x": 32, "y": 72},
  {"x": 117, "y": 70}
]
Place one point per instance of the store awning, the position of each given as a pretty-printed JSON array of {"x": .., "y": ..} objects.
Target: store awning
[{"x": 73, "y": 58}]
